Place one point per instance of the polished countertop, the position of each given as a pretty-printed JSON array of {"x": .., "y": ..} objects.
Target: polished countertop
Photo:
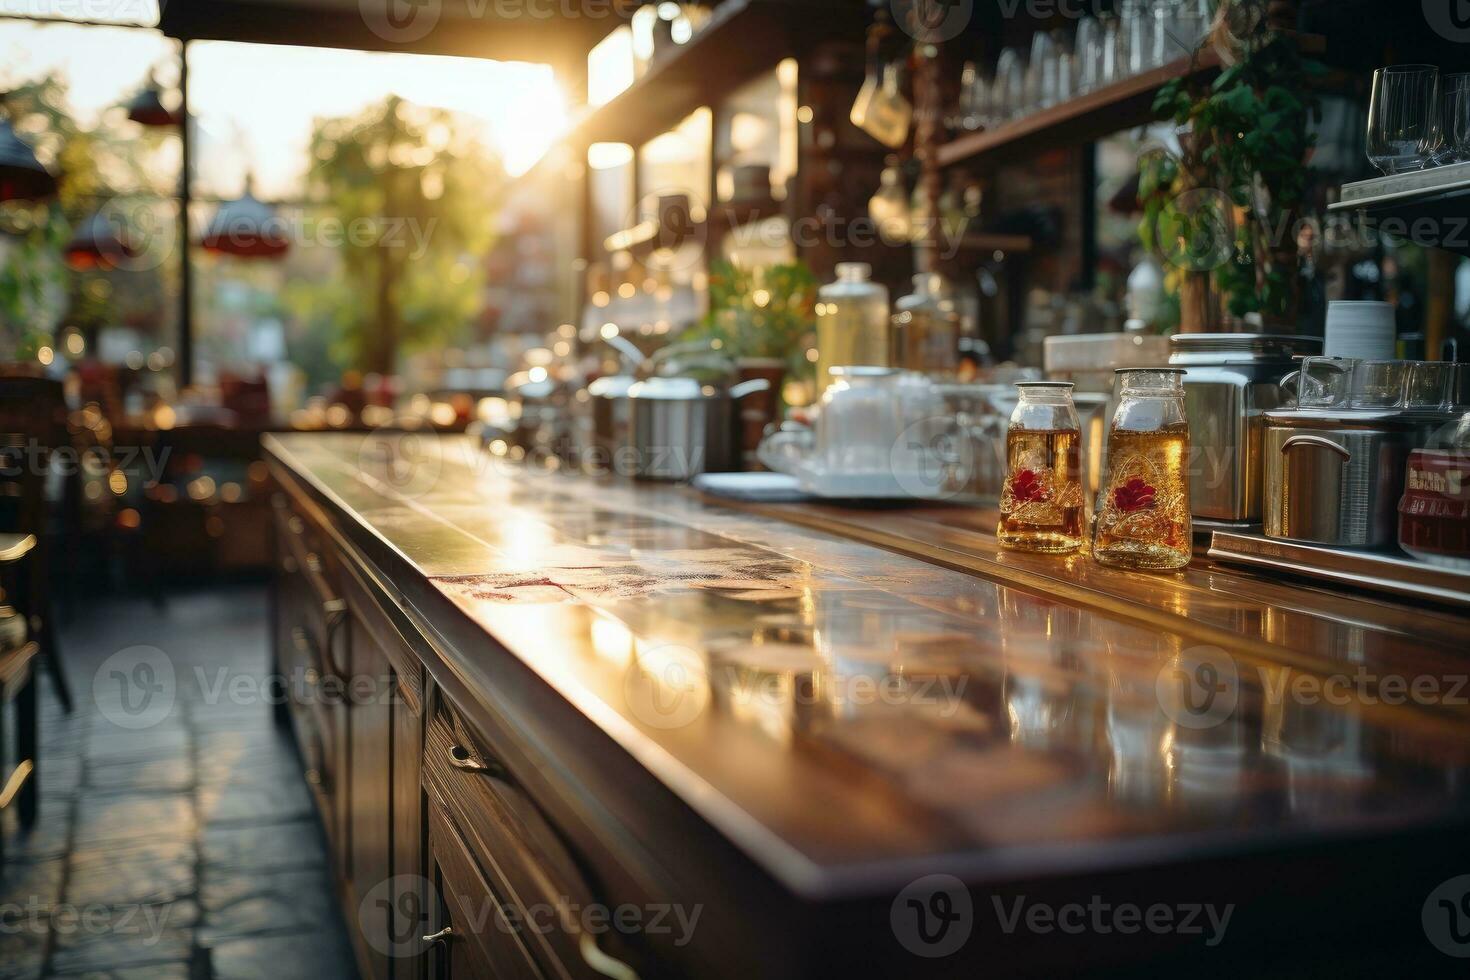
[{"x": 850, "y": 716}]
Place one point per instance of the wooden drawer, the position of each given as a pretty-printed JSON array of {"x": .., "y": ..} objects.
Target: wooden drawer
[
  {"x": 482, "y": 943},
  {"x": 517, "y": 850}
]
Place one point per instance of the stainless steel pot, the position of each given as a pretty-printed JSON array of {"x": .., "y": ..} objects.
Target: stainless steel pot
[
  {"x": 611, "y": 422},
  {"x": 1335, "y": 478},
  {"x": 1230, "y": 380},
  {"x": 681, "y": 428}
]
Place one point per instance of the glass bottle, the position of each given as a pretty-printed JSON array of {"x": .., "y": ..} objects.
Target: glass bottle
[
  {"x": 1143, "y": 515},
  {"x": 926, "y": 329},
  {"x": 852, "y": 322},
  {"x": 1042, "y": 503}
]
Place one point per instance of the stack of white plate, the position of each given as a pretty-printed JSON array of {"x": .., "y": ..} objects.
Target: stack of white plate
[{"x": 1361, "y": 329}]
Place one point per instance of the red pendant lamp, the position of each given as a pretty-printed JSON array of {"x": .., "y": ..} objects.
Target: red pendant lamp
[
  {"x": 99, "y": 245},
  {"x": 22, "y": 176},
  {"x": 247, "y": 228},
  {"x": 147, "y": 108}
]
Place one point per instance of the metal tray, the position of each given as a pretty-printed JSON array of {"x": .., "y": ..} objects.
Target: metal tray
[{"x": 1376, "y": 571}]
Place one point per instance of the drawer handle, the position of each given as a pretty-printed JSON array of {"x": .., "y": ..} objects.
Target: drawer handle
[
  {"x": 1317, "y": 442},
  {"x": 460, "y": 758},
  {"x": 442, "y": 936},
  {"x": 602, "y": 963}
]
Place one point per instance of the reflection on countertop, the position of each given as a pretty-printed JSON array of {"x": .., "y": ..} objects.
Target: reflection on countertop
[{"x": 770, "y": 671}]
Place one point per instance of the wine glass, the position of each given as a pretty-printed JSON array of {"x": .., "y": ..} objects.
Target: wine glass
[
  {"x": 1089, "y": 55},
  {"x": 1404, "y": 128},
  {"x": 1454, "y": 103},
  {"x": 1010, "y": 85}
]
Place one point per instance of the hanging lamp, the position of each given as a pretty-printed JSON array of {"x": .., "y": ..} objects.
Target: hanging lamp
[
  {"x": 147, "y": 108},
  {"x": 99, "y": 245},
  {"x": 22, "y": 176},
  {"x": 246, "y": 227}
]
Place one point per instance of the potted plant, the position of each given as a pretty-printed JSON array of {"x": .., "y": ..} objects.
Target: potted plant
[
  {"x": 1224, "y": 210},
  {"x": 760, "y": 317}
]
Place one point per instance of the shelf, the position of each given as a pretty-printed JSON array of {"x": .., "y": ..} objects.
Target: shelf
[
  {"x": 1427, "y": 207},
  {"x": 1099, "y": 113},
  {"x": 741, "y": 39}
]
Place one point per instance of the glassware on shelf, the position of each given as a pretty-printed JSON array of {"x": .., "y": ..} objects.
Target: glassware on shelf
[
  {"x": 1404, "y": 128},
  {"x": 1088, "y": 55},
  {"x": 1143, "y": 517},
  {"x": 972, "y": 95},
  {"x": 1114, "y": 67},
  {"x": 1066, "y": 73},
  {"x": 1042, "y": 506},
  {"x": 1009, "y": 92},
  {"x": 926, "y": 329},
  {"x": 1041, "y": 73},
  {"x": 1138, "y": 33},
  {"x": 1172, "y": 38},
  {"x": 852, "y": 321},
  {"x": 1454, "y": 105}
]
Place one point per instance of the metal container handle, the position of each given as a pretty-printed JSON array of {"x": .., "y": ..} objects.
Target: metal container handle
[
  {"x": 749, "y": 387},
  {"x": 1317, "y": 442}
]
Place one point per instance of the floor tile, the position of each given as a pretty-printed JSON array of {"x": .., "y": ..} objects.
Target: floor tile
[
  {"x": 173, "y": 773},
  {"x": 133, "y": 871},
  {"x": 302, "y": 957},
  {"x": 133, "y": 816},
  {"x": 30, "y": 883},
  {"x": 22, "y": 949},
  {"x": 283, "y": 797},
  {"x": 288, "y": 901},
  {"x": 100, "y": 937},
  {"x": 262, "y": 848}
]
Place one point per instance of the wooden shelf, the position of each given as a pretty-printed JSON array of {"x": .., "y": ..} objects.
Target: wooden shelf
[
  {"x": 741, "y": 39},
  {"x": 1099, "y": 113}
]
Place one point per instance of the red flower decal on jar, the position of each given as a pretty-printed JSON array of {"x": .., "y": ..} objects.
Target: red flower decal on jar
[
  {"x": 1027, "y": 488},
  {"x": 1133, "y": 495}
]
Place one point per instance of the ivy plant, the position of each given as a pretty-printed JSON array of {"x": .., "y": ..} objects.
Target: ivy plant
[{"x": 1230, "y": 203}]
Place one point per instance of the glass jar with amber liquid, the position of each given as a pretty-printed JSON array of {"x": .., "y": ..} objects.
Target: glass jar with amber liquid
[
  {"x": 1143, "y": 511},
  {"x": 1042, "y": 503}
]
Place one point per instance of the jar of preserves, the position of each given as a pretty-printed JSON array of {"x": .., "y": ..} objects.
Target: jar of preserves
[
  {"x": 1434, "y": 514},
  {"x": 1143, "y": 514},
  {"x": 1041, "y": 502}
]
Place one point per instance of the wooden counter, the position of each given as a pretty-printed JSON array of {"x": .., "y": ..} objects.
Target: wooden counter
[{"x": 611, "y": 694}]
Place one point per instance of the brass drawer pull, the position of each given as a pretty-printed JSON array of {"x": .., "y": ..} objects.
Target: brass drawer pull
[
  {"x": 602, "y": 963},
  {"x": 442, "y": 936},
  {"x": 460, "y": 758}
]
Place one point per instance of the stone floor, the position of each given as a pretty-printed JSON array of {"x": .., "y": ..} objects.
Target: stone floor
[{"x": 177, "y": 837}]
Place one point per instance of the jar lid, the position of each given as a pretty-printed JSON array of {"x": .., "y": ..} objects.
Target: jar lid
[{"x": 1044, "y": 384}]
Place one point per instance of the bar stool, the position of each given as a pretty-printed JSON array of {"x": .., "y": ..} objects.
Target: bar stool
[
  {"x": 20, "y": 782},
  {"x": 32, "y": 426}
]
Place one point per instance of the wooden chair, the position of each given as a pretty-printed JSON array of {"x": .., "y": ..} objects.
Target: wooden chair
[
  {"x": 33, "y": 426},
  {"x": 20, "y": 782}
]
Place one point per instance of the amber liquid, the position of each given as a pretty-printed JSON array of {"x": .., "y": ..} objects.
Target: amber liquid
[
  {"x": 1143, "y": 520},
  {"x": 1042, "y": 506}
]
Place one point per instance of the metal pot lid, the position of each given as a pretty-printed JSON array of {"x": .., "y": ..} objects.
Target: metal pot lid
[
  {"x": 1243, "y": 346},
  {"x": 672, "y": 389},
  {"x": 612, "y": 386},
  {"x": 863, "y": 371},
  {"x": 1363, "y": 418}
]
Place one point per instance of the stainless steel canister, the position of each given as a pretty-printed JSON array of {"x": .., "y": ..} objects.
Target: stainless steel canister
[
  {"x": 1335, "y": 477},
  {"x": 1230, "y": 381}
]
